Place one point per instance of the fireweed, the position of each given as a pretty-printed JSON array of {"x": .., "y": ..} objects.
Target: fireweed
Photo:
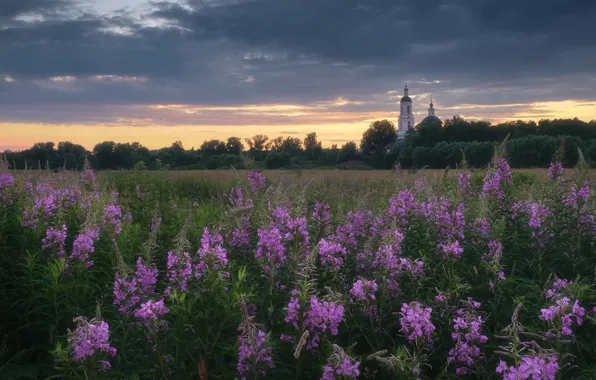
[
  {"x": 469, "y": 338},
  {"x": 564, "y": 311},
  {"x": 254, "y": 353},
  {"x": 257, "y": 181},
  {"x": 89, "y": 339},
  {"x": 320, "y": 318},
  {"x": 530, "y": 367},
  {"x": 353, "y": 286},
  {"x": 416, "y": 323},
  {"x": 340, "y": 366},
  {"x": 83, "y": 246},
  {"x": 132, "y": 290}
]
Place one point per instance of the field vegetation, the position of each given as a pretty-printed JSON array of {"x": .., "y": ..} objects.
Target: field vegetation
[{"x": 486, "y": 274}]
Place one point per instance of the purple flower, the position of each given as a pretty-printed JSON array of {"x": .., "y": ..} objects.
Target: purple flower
[
  {"x": 89, "y": 338},
  {"x": 129, "y": 292},
  {"x": 540, "y": 222},
  {"x": 320, "y": 318},
  {"x": 6, "y": 183},
  {"x": 84, "y": 245},
  {"x": 565, "y": 312},
  {"x": 463, "y": 181},
  {"x": 332, "y": 254},
  {"x": 291, "y": 230},
  {"x": 364, "y": 291},
  {"x": 270, "y": 252},
  {"x": 555, "y": 170},
  {"x": 494, "y": 179},
  {"x": 543, "y": 367},
  {"x": 293, "y": 310},
  {"x": 55, "y": 239},
  {"x": 151, "y": 311},
  {"x": 240, "y": 236},
  {"x": 577, "y": 194},
  {"x": 320, "y": 216},
  {"x": 346, "y": 369},
  {"x": 88, "y": 176},
  {"x": 451, "y": 249},
  {"x": 112, "y": 219},
  {"x": 179, "y": 270},
  {"x": 468, "y": 336},
  {"x": 211, "y": 254},
  {"x": 482, "y": 229},
  {"x": 416, "y": 323},
  {"x": 252, "y": 352},
  {"x": 257, "y": 181},
  {"x": 236, "y": 198},
  {"x": 402, "y": 207}
]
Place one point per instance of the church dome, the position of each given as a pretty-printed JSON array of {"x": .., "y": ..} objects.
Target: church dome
[
  {"x": 431, "y": 119},
  {"x": 405, "y": 98}
]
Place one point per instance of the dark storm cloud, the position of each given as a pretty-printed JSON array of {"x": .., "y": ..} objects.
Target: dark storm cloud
[
  {"x": 284, "y": 51},
  {"x": 12, "y": 8}
]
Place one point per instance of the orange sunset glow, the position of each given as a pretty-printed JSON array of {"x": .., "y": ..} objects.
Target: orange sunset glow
[{"x": 163, "y": 124}]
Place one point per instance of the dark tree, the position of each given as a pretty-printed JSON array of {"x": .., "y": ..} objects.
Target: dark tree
[
  {"x": 257, "y": 143},
  {"x": 234, "y": 146},
  {"x": 379, "y": 135},
  {"x": 312, "y": 146},
  {"x": 213, "y": 148}
]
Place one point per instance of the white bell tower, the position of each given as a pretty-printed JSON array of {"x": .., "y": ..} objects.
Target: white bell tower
[{"x": 406, "y": 116}]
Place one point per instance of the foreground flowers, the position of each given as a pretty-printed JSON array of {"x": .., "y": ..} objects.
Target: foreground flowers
[
  {"x": 89, "y": 338},
  {"x": 530, "y": 367}
]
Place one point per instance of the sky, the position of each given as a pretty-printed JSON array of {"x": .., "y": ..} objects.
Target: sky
[{"x": 191, "y": 70}]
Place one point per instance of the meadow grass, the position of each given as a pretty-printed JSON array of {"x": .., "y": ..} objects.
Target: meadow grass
[{"x": 311, "y": 274}]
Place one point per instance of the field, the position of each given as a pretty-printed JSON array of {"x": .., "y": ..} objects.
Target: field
[
  {"x": 306, "y": 176},
  {"x": 299, "y": 275}
]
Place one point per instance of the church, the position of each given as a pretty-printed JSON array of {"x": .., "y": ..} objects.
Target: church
[{"x": 406, "y": 120}]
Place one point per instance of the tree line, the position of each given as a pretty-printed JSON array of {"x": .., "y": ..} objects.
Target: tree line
[{"x": 431, "y": 144}]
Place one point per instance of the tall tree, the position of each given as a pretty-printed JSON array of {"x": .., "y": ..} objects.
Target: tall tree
[
  {"x": 257, "y": 143},
  {"x": 276, "y": 144},
  {"x": 291, "y": 145},
  {"x": 104, "y": 154},
  {"x": 213, "y": 147},
  {"x": 234, "y": 145},
  {"x": 379, "y": 135},
  {"x": 312, "y": 146}
]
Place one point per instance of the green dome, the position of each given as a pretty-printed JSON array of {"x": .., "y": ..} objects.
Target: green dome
[
  {"x": 431, "y": 119},
  {"x": 406, "y": 98}
]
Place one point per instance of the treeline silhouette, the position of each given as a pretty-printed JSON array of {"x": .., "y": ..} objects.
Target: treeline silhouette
[{"x": 431, "y": 144}]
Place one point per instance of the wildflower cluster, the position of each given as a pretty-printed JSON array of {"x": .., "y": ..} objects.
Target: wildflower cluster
[
  {"x": 6, "y": 185},
  {"x": 89, "y": 338},
  {"x": 84, "y": 244},
  {"x": 531, "y": 367},
  {"x": 416, "y": 323},
  {"x": 55, "y": 239},
  {"x": 499, "y": 175},
  {"x": 469, "y": 338},
  {"x": 363, "y": 294},
  {"x": 271, "y": 251},
  {"x": 346, "y": 369},
  {"x": 212, "y": 255},
  {"x": 565, "y": 312},
  {"x": 137, "y": 288},
  {"x": 257, "y": 181},
  {"x": 237, "y": 199}
]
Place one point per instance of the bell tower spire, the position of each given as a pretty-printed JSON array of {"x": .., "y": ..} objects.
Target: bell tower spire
[
  {"x": 431, "y": 110},
  {"x": 406, "y": 115}
]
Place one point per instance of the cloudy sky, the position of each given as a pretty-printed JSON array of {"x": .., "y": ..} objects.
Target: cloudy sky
[{"x": 190, "y": 70}]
